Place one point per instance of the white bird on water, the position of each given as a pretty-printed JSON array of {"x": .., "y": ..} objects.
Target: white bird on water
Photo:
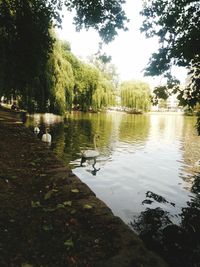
[
  {"x": 90, "y": 153},
  {"x": 46, "y": 137}
]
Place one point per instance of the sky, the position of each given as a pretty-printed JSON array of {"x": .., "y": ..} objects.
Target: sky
[{"x": 130, "y": 51}]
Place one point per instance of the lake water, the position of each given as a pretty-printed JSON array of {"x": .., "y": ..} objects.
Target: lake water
[{"x": 141, "y": 156}]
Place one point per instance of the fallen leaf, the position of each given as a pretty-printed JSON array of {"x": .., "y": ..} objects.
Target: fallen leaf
[
  {"x": 49, "y": 209},
  {"x": 35, "y": 204},
  {"x": 67, "y": 203},
  {"x": 69, "y": 243},
  {"x": 60, "y": 206},
  {"x": 73, "y": 211},
  {"x": 43, "y": 174},
  {"x": 26, "y": 265},
  {"x": 75, "y": 190},
  {"x": 47, "y": 227},
  {"x": 87, "y": 206},
  {"x": 48, "y": 194}
]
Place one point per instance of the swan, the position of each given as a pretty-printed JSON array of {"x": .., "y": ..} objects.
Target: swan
[
  {"x": 90, "y": 153},
  {"x": 46, "y": 137}
]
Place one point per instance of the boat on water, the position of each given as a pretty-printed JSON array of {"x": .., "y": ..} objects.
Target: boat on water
[{"x": 133, "y": 111}]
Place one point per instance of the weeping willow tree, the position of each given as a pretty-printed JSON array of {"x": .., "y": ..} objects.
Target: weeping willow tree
[
  {"x": 67, "y": 82},
  {"x": 60, "y": 80},
  {"x": 86, "y": 85},
  {"x": 26, "y": 41},
  {"x": 92, "y": 88},
  {"x": 104, "y": 65},
  {"x": 54, "y": 86},
  {"x": 135, "y": 95},
  {"x": 104, "y": 96}
]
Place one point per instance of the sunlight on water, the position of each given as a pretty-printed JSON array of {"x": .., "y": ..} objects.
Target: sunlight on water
[{"x": 138, "y": 153}]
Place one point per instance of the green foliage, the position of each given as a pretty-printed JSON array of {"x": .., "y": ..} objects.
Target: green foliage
[
  {"x": 93, "y": 86},
  {"x": 176, "y": 23},
  {"x": 60, "y": 81},
  {"x": 54, "y": 87},
  {"x": 190, "y": 96},
  {"x": 135, "y": 95},
  {"x": 108, "y": 70},
  {"x": 105, "y": 94},
  {"x": 69, "y": 82},
  {"x": 162, "y": 104},
  {"x": 104, "y": 16},
  {"x": 161, "y": 92},
  {"x": 24, "y": 43},
  {"x": 34, "y": 68}
]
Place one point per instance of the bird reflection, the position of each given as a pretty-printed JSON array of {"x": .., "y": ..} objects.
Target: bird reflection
[{"x": 95, "y": 170}]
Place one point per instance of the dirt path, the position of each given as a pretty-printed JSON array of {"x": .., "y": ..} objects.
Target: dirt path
[{"x": 49, "y": 218}]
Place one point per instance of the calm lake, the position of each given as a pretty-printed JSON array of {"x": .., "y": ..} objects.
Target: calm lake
[{"x": 145, "y": 160}]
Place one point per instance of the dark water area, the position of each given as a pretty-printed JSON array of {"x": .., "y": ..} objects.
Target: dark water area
[{"x": 147, "y": 173}]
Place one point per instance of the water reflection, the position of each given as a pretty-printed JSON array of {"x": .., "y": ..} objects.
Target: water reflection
[
  {"x": 94, "y": 169},
  {"x": 134, "y": 128},
  {"x": 39, "y": 123},
  {"x": 178, "y": 244},
  {"x": 145, "y": 173},
  {"x": 190, "y": 147},
  {"x": 138, "y": 154}
]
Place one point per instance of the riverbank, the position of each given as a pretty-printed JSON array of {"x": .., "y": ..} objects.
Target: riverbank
[{"x": 48, "y": 217}]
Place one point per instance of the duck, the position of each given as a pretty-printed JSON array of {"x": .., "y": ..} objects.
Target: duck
[{"x": 46, "y": 137}]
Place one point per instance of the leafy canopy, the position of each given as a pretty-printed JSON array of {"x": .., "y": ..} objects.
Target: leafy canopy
[
  {"x": 176, "y": 23},
  {"x": 26, "y": 44},
  {"x": 105, "y": 16},
  {"x": 135, "y": 95}
]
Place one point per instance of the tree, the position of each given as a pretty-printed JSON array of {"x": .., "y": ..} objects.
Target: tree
[
  {"x": 104, "y": 95},
  {"x": 104, "y": 65},
  {"x": 26, "y": 41},
  {"x": 60, "y": 80},
  {"x": 176, "y": 23},
  {"x": 135, "y": 95},
  {"x": 87, "y": 79},
  {"x": 104, "y": 16}
]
